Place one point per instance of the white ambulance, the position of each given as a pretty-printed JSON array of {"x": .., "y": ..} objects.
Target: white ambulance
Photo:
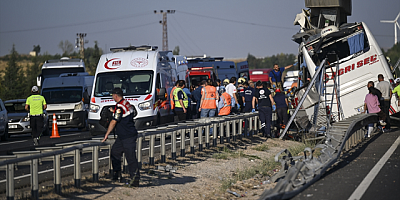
[{"x": 146, "y": 77}]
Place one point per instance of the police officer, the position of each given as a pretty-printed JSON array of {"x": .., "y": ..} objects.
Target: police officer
[
  {"x": 181, "y": 101},
  {"x": 35, "y": 104},
  {"x": 265, "y": 102},
  {"x": 248, "y": 97},
  {"x": 123, "y": 114}
]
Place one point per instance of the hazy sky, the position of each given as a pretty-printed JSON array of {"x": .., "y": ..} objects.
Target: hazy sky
[{"x": 229, "y": 28}]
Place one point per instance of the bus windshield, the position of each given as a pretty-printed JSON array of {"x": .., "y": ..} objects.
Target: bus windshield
[
  {"x": 55, "y": 72},
  {"x": 131, "y": 83}
]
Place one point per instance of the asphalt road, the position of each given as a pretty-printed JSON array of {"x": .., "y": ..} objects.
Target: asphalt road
[{"x": 370, "y": 172}]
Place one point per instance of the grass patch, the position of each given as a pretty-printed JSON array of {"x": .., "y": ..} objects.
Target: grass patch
[
  {"x": 262, "y": 147},
  {"x": 225, "y": 153},
  {"x": 265, "y": 168}
]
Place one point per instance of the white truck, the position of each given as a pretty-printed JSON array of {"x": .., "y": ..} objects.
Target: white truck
[
  {"x": 68, "y": 96},
  {"x": 325, "y": 33},
  {"x": 146, "y": 77}
]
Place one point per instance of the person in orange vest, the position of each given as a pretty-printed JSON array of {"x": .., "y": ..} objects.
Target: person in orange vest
[
  {"x": 171, "y": 95},
  {"x": 225, "y": 103},
  {"x": 208, "y": 104}
]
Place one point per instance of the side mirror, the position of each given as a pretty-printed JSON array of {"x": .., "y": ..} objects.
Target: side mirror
[
  {"x": 162, "y": 94},
  {"x": 39, "y": 81},
  {"x": 86, "y": 98}
]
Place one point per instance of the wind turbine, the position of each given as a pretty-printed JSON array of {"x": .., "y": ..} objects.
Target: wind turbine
[{"x": 395, "y": 24}]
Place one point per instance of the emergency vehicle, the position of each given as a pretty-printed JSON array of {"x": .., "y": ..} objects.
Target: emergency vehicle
[
  {"x": 214, "y": 68},
  {"x": 260, "y": 74},
  {"x": 181, "y": 66},
  {"x": 325, "y": 33},
  {"x": 146, "y": 77}
]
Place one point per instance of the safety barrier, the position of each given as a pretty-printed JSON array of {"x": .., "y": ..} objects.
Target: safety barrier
[
  {"x": 299, "y": 172},
  {"x": 225, "y": 128}
]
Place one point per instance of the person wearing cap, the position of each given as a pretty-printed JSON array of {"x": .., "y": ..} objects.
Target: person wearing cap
[
  {"x": 123, "y": 114},
  {"x": 281, "y": 108},
  {"x": 396, "y": 90},
  {"x": 35, "y": 104},
  {"x": 275, "y": 76}
]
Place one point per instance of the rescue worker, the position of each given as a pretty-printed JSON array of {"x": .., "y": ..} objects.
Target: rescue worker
[
  {"x": 240, "y": 93},
  {"x": 396, "y": 90},
  {"x": 197, "y": 96},
  {"x": 208, "y": 105},
  {"x": 171, "y": 95},
  {"x": 181, "y": 101},
  {"x": 35, "y": 104},
  {"x": 123, "y": 114},
  {"x": 225, "y": 103},
  {"x": 265, "y": 102},
  {"x": 231, "y": 90},
  {"x": 281, "y": 108},
  {"x": 275, "y": 76},
  {"x": 248, "y": 97}
]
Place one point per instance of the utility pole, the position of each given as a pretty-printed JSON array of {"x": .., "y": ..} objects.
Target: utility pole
[
  {"x": 80, "y": 42},
  {"x": 164, "y": 23}
]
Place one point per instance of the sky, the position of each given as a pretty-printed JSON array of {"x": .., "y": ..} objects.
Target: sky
[{"x": 228, "y": 28}]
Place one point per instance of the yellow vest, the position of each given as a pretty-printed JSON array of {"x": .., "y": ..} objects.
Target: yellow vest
[{"x": 176, "y": 100}]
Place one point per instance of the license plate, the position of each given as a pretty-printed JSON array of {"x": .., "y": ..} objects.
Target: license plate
[
  {"x": 12, "y": 126},
  {"x": 61, "y": 123}
]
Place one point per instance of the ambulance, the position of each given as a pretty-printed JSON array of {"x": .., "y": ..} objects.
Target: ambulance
[{"x": 145, "y": 75}]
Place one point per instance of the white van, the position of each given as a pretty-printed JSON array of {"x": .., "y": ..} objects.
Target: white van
[
  {"x": 67, "y": 96},
  {"x": 146, "y": 77},
  {"x": 54, "y": 68}
]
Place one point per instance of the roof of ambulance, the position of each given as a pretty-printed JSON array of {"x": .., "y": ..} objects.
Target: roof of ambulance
[{"x": 128, "y": 60}]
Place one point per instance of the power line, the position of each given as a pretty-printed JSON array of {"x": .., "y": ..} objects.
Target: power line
[
  {"x": 122, "y": 29},
  {"x": 76, "y": 24},
  {"x": 187, "y": 35},
  {"x": 240, "y": 22},
  {"x": 182, "y": 39}
]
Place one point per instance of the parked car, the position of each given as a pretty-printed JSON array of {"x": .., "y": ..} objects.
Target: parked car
[
  {"x": 18, "y": 119},
  {"x": 3, "y": 121}
]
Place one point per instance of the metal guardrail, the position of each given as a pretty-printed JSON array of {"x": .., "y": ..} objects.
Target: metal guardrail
[
  {"x": 299, "y": 172},
  {"x": 228, "y": 127}
]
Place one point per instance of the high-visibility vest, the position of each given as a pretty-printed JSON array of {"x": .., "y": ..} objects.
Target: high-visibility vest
[
  {"x": 171, "y": 98},
  {"x": 210, "y": 95},
  {"x": 226, "y": 110},
  {"x": 176, "y": 99}
]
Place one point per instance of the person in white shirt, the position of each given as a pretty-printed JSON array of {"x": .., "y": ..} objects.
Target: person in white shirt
[
  {"x": 231, "y": 90},
  {"x": 386, "y": 90}
]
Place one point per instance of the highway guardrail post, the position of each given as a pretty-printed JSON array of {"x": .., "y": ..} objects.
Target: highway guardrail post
[
  {"x": 240, "y": 128},
  {"x": 151, "y": 147},
  {"x": 215, "y": 133},
  {"x": 163, "y": 159},
  {"x": 183, "y": 142},
  {"x": 10, "y": 181},
  {"x": 173, "y": 145},
  {"x": 34, "y": 179},
  {"x": 251, "y": 130},
  {"x": 221, "y": 131},
  {"x": 228, "y": 131},
  {"x": 139, "y": 151},
  {"x": 124, "y": 163},
  {"x": 77, "y": 168},
  {"x": 200, "y": 136},
  {"x": 110, "y": 168},
  {"x": 57, "y": 173},
  {"x": 191, "y": 127},
  {"x": 234, "y": 124},
  {"x": 95, "y": 163},
  {"x": 207, "y": 132}
]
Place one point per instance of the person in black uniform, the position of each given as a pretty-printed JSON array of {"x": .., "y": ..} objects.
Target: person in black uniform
[
  {"x": 123, "y": 114},
  {"x": 265, "y": 102},
  {"x": 248, "y": 97}
]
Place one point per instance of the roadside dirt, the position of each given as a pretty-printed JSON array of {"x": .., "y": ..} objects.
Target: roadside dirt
[{"x": 230, "y": 171}]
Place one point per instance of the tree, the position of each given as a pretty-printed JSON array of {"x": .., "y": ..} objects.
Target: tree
[
  {"x": 36, "y": 48},
  {"x": 67, "y": 47},
  {"x": 394, "y": 55},
  {"x": 268, "y": 62},
  {"x": 13, "y": 81},
  {"x": 176, "y": 50},
  {"x": 92, "y": 56}
]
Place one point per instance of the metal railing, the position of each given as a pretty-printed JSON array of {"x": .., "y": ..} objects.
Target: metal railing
[
  {"x": 226, "y": 128},
  {"x": 299, "y": 172}
]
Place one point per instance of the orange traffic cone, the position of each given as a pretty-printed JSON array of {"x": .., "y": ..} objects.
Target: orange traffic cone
[{"x": 54, "y": 133}]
